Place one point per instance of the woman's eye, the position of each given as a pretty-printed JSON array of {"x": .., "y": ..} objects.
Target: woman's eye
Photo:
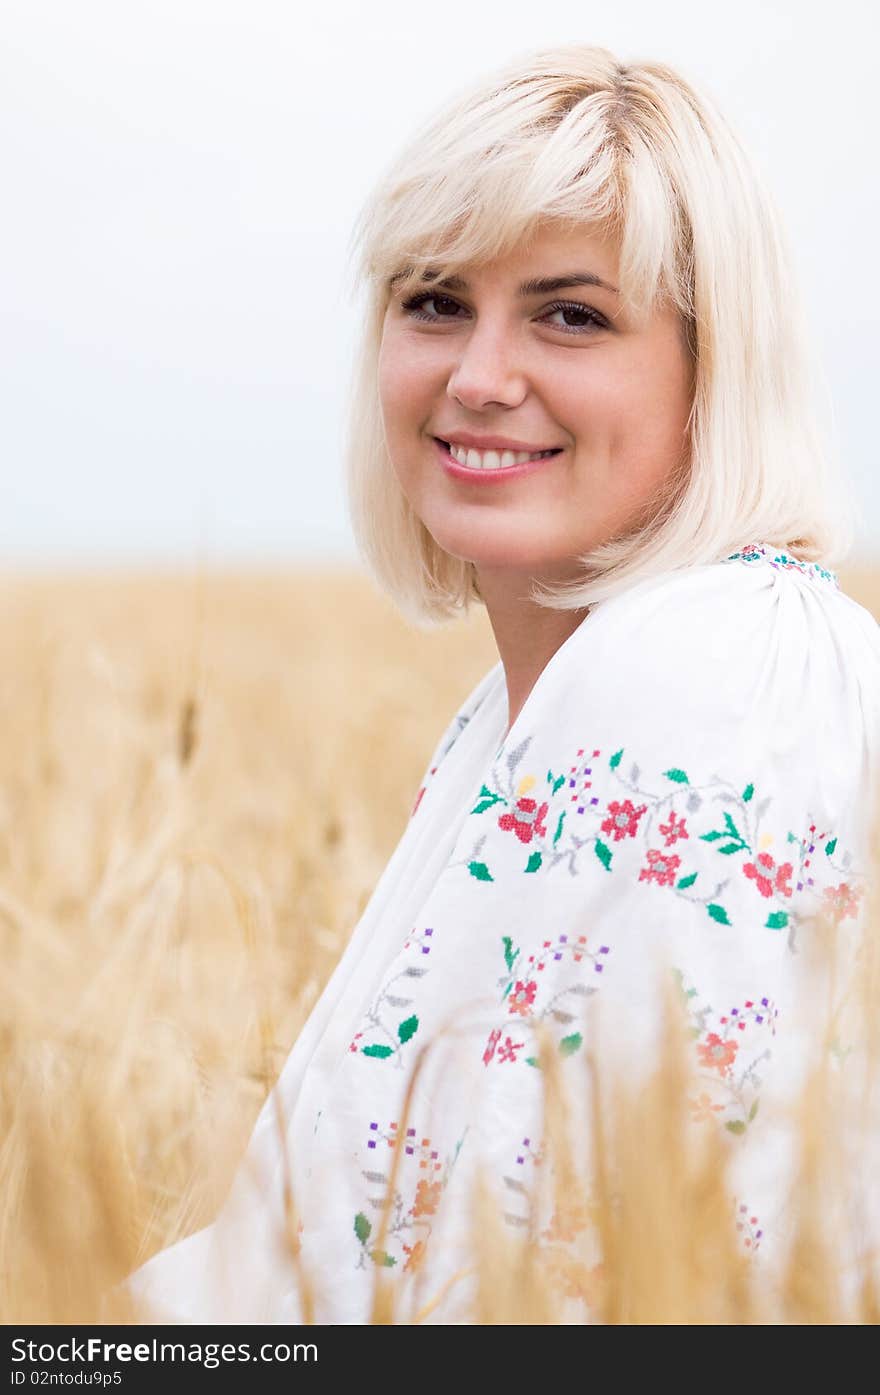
[
  {"x": 586, "y": 320},
  {"x": 593, "y": 320},
  {"x": 414, "y": 304}
]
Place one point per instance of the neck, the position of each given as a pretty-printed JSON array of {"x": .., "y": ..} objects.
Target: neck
[{"x": 527, "y": 634}]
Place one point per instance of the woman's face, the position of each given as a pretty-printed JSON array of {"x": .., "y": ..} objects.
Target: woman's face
[{"x": 561, "y": 367}]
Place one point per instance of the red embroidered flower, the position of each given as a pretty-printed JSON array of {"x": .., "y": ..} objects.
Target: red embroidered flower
[
  {"x": 674, "y": 829},
  {"x": 570, "y": 1217},
  {"x": 508, "y": 1051},
  {"x": 842, "y": 901},
  {"x": 416, "y": 1254},
  {"x": 427, "y": 1198},
  {"x": 522, "y": 997},
  {"x": 623, "y": 819},
  {"x": 703, "y": 1108},
  {"x": 494, "y": 1038},
  {"x": 717, "y": 1054},
  {"x": 527, "y": 821},
  {"x": 661, "y": 868},
  {"x": 767, "y": 876}
]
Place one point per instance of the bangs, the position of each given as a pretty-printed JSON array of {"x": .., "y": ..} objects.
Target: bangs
[{"x": 477, "y": 189}]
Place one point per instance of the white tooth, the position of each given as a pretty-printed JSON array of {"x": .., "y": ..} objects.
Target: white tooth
[
  {"x": 460, "y": 454},
  {"x": 474, "y": 460},
  {"x": 522, "y": 456},
  {"x": 491, "y": 460},
  {"x": 507, "y": 459}
]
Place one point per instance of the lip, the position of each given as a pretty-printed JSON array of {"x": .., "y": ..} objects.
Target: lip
[
  {"x": 512, "y": 472},
  {"x": 469, "y": 438}
]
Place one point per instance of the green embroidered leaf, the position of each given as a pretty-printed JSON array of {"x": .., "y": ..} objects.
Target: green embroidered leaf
[
  {"x": 487, "y": 798},
  {"x": 380, "y": 1052},
  {"x": 748, "y": 792},
  {"x": 829, "y": 847},
  {"x": 558, "y": 828},
  {"x": 615, "y": 759},
  {"x": 777, "y": 921},
  {"x": 560, "y": 780},
  {"x": 408, "y": 1028},
  {"x": 380, "y": 1257},
  {"x": 718, "y": 913},
  {"x": 731, "y": 848},
  {"x": 534, "y": 862},
  {"x": 711, "y": 837},
  {"x": 753, "y": 1111},
  {"x": 569, "y": 1045},
  {"x": 736, "y": 1126},
  {"x": 678, "y": 776},
  {"x": 533, "y": 1061},
  {"x": 362, "y": 1227},
  {"x": 686, "y": 881},
  {"x": 510, "y": 954},
  {"x": 603, "y": 854},
  {"x": 480, "y": 871}
]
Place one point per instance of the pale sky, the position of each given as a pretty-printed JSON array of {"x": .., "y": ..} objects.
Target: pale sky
[{"x": 180, "y": 179}]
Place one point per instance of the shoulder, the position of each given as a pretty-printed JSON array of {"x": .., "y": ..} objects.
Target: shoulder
[
  {"x": 741, "y": 666},
  {"x": 760, "y": 624}
]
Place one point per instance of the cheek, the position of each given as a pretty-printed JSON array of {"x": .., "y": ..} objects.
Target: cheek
[
  {"x": 404, "y": 384},
  {"x": 645, "y": 409}
]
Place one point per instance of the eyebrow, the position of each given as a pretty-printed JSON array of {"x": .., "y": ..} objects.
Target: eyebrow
[{"x": 538, "y": 285}]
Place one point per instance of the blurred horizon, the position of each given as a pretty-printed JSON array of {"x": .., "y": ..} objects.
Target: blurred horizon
[{"x": 182, "y": 182}]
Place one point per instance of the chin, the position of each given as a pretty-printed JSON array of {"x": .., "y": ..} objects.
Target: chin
[{"x": 505, "y": 551}]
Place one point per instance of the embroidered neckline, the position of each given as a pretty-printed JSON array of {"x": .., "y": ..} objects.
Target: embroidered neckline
[{"x": 783, "y": 561}]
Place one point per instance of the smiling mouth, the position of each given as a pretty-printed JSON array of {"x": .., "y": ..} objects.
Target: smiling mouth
[{"x": 493, "y": 460}]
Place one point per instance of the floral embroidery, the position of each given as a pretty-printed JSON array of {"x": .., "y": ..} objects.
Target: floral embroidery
[
  {"x": 623, "y": 819},
  {"x": 660, "y": 868},
  {"x": 717, "y": 1054},
  {"x": 842, "y": 901},
  {"x": 596, "y": 808},
  {"x": 768, "y": 877},
  {"x": 782, "y": 561},
  {"x": 702, "y": 1108},
  {"x": 674, "y": 829},
  {"x": 730, "y": 1088},
  {"x": 567, "y": 1247},
  {"x": 409, "y": 1227},
  {"x": 387, "y": 1018},
  {"x": 520, "y": 994},
  {"x": 748, "y": 1226},
  {"x": 526, "y": 821},
  {"x": 522, "y": 997}
]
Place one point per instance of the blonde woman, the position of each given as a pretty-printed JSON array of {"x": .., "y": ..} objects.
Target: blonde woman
[{"x": 581, "y": 400}]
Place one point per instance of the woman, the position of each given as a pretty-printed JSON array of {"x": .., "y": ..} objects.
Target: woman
[{"x": 581, "y": 400}]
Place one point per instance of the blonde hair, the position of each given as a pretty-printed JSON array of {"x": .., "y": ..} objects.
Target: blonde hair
[{"x": 571, "y": 135}]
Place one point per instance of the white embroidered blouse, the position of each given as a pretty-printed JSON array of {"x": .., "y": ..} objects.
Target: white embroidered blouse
[{"x": 692, "y": 775}]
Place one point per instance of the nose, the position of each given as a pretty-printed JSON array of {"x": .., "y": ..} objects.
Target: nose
[{"x": 486, "y": 373}]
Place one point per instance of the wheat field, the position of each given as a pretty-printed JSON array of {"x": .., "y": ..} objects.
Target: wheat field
[{"x": 202, "y": 776}]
